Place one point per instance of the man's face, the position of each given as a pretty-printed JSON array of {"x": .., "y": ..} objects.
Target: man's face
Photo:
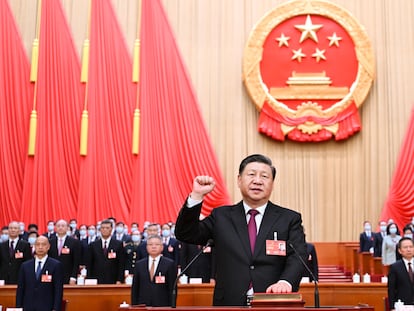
[
  {"x": 14, "y": 230},
  {"x": 106, "y": 231},
  {"x": 42, "y": 246},
  {"x": 154, "y": 247},
  {"x": 256, "y": 183},
  {"x": 61, "y": 227},
  {"x": 407, "y": 249},
  {"x": 152, "y": 230}
]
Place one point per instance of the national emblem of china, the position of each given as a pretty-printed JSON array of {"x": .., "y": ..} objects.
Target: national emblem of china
[{"x": 308, "y": 66}]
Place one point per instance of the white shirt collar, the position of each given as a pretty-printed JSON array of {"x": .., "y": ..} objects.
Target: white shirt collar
[{"x": 260, "y": 209}]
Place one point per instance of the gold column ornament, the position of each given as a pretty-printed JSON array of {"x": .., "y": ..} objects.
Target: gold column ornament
[
  {"x": 135, "y": 78},
  {"x": 33, "y": 78},
  {"x": 83, "y": 148}
]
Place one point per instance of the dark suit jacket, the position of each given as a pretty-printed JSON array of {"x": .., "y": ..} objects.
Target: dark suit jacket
[
  {"x": 71, "y": 260},
  {"x": 35, "y": 295},
  {"x": 148, "y": 292},
  {"x": 365, "y": 242},
  {"x": 378, "y": 244},
  {"x": 9, "y": 267},
  {"x": 399, "y": 284},
  {"x": 202, "y": 266},
  {"x": 236, "y": 266},
  {"x": 312, "y": 262},
  {"x": 106, "y": 270}
]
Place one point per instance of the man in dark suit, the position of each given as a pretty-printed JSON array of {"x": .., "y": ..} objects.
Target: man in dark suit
[
  {"x": 154, "y": 277},
  {"x": 67, "y": 250},
  {"x": 171, "y": 246},
  {"x": 120, "y": 234},
  {"x": 12, "y": 254},
  {"x": 401, "y": 276},
  {"x": 366, "y": 239},
  {"x": 50, "y": 230},
  {"x": 40, "y": 285},
  {"x": 378, "y": 237},
  {"x": 106, "y": 257},
  {"x": 253, "y": 239}
]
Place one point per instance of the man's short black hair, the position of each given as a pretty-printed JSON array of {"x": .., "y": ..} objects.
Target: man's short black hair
[
  {"x": 257, "y": 158},
  {"x": 404, "y": 239}
]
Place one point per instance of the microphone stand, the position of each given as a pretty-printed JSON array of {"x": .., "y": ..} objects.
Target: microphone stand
[
  {"x": 316, "y": 292},
  {"x": 174, "y": 291}
]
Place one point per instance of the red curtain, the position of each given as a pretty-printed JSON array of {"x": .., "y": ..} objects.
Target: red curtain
[
  {"x": 106, "y": 172},
  {"x": 174, "y": 144},
  {"x": 16, "y": 95},
  {"x": 109, "y": 181},
  {"x": 51, "y": 177},
  {"x": 400, "y": 201}
]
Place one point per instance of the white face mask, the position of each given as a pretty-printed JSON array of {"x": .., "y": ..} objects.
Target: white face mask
[
  {"x": 367, "y": 228},
  {"x": 408, "y": 235},
  {"x": 383, "y": 228},
  {"x": 393, "y": 230},
  {"x": 31, "y": 240},
  {"x": 135, "y": 238}
]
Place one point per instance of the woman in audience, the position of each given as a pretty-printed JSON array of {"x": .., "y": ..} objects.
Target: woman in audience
[{"x": 389, "y": 245}]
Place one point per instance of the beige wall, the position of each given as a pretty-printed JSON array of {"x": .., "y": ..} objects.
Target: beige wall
[{"x": 336, "y": 186}]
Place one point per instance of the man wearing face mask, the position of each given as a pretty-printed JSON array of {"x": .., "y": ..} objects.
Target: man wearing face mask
[
  {"x": 171, "y": 245},
  {"x": 4, "y": 234},
  {"x": 379, "y": 237},
  {"x": 50, "y": 230},
  {"x": 85, "y": 244},
  {"x": 132, "y": 254},
  {"x": 366, "y": 239},
  {"x": 120, "y": 234},
  {"x": 74, "y": 232}
]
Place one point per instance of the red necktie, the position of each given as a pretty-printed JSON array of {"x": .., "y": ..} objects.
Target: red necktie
[
  {"x": 105, "y": 249},
  {"x": 252, "y": 228},
  {"x": 11, "y": 250}
]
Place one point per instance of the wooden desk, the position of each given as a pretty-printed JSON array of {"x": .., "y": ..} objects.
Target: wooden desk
[
  {"x": 195, "y": 308},
  {"x": 109, "y": 297}
]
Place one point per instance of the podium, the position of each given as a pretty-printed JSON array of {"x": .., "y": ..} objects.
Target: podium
[{"x": 291, "y": 300}]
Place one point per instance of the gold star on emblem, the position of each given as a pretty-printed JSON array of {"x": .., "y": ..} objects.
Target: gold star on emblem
[
  {"x": 319, "y": 54},
  {"x": 297, "y": 54},
  {"x": 308, "y": 30},
  {"x": 334, "y": 40},
  {"x": 283, "y": 40}
]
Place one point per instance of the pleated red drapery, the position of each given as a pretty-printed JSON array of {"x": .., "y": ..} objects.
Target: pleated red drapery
[
  {"x": 400, "y": 200},
  {"x": 51, "y": 177},
  {"x": 106, "y": 171},
  {"x": 16, "y": 95},
  {"x": 109, "y": 181},
  {"x": 174, "y": 144}
]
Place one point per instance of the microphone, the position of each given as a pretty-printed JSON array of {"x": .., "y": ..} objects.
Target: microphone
[
  {"x": 316, "y": 292},
  {"x": 209, "y": 243}
]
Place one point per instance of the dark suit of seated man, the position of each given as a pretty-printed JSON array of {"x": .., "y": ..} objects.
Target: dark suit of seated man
[
  {"x": 400, "y": 278},
  {"x": 40, "y": 285},
  {"x": 154, "y": 277}
]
